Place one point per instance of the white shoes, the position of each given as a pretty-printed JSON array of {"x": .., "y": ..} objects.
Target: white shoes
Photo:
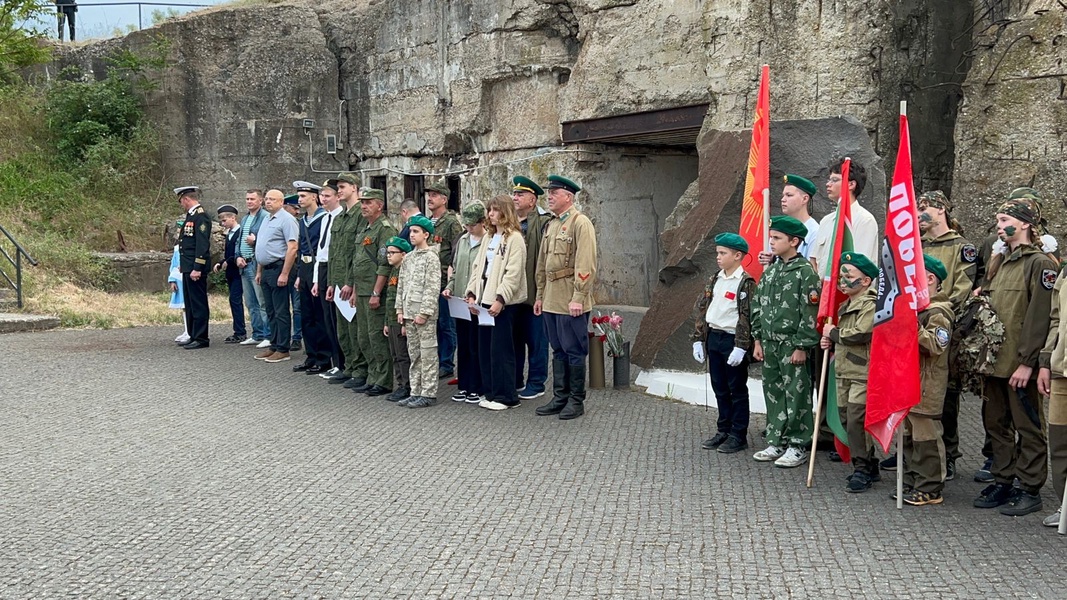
[
  {"x": 182, "y": 339},
  {"x": 1052, "y": 520},
  {"x": 249, "y": 341},
  {"x": 494, "y": 405},
  {"x": 263, "y": 344},
  {"x": 769, "y": 453},
  {"x": 793, "y": 457}
]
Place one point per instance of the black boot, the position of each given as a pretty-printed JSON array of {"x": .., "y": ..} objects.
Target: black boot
[
  {"x": 576, "y": 404},
  {"x": 561, "y": 389}
]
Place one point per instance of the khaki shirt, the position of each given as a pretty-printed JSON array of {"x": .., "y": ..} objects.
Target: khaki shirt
[
  {"x": 368, "y": 258},
  {"x": 566, "y": 267},
  {"x": 1053, "y": 356},
  {"x": 961, "y": 261},
  {"x": 852, "y": 338},
  {"x": 935, "y": 332},
  {"x": 1021, "y": 295}
]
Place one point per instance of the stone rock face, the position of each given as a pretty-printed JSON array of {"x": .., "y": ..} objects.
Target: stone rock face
[{"x": 796, "y": 147}]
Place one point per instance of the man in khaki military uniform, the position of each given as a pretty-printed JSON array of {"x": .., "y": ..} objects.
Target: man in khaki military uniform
[
  {"x": 1052, "y": 381},
  {"x": 530, "y": 328},
  {"x": 1020, "y": 291},
  {"x": 369, "y": 275},
  {"x": 566, "y": 273},
  {"x": 446, "y": 231},
  {"x": 342, "y": 244}
]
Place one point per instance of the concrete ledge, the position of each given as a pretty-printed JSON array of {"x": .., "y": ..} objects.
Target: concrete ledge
[
  {"x": 695, "y": 388},
  {"x": 17, "y": 322}
]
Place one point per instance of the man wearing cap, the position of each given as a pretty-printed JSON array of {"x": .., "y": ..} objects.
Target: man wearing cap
[
  {"x": 865, "y": 238},
  {"x": 566, "y": 274},
  {"x": 529, "y": 328},
  {"x": 250, "y": 225},
  {"x": 370, "y": 274},
  {"x": 228, "y": 265},
  {"x": 1020, "y": 291},
  {"x": 194, "y": 251},
  {"x": 316, "y": 347},
  {"x": 331, "y": 203},
  {"x": 723, "y": 337},
  {"x": 275, "y": 256},
  {"x": 342, "y": 249},
  {"x": 446, "y": 231}
]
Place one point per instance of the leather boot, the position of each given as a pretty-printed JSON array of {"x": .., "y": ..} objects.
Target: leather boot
[
  {"x": 576, "y": 404},
  {"x": 561, "y": 389}
]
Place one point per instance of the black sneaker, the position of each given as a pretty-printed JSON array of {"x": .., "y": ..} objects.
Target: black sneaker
[
  {"x": 889, "y": 464},
  {"x": 715, "y": 441},
  {"x": 950, "y": 470},
  {"x": 1021, "y": 503},
  {"x": 917, "y": 498},
  {"x": 400, "y": 394},
  {"x": 356, "y": 382},
  {"x": 859, "y": 482},
  {"x": 732, "y": 444},
  {"x": 984, "y": 475},
  {"x": 295, "y": 346},
  {"x": 993, "y": 496},
  {"x": 834, "y": 456},
  {"x": 234, "y": 339},
  {"x": 443, "y": 373}
]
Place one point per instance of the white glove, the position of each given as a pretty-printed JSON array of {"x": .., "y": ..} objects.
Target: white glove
[
  {"x": 1049, "y": 243},
  {"x": 999, "y": 247},
  {"x": 698, "y": 351},
  {"x": 736, "y": 357}
]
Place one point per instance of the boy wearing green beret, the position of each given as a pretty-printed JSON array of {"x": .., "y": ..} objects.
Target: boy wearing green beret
[
  {"x": 723, "y": 335},
  {"x": 395, "y": 250},
  {"x": 924, "y": 448},
  {"x": 418, "y": 287},
  {"x": 783, "y": 330},
  {"x": 851, "y": 341}
]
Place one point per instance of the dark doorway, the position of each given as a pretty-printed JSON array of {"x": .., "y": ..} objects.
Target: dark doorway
[
  {"x": 453, "y": 192},
  {"x": 413, "y": 190}
]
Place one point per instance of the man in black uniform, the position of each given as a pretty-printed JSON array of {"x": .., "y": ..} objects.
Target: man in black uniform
[
  {"x": 194, "y": 252},
  {"x": 65, "y": 10},
  {"x": 312, "y": 320}
]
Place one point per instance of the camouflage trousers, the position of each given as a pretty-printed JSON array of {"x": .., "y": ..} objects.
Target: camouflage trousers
[
  {"x": 422, "y": 348},
  {"x": 787, "y": 391}
]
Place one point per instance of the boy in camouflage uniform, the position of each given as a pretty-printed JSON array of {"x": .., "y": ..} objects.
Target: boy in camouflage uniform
[
  {"x": 416, "y": 308},
  {"x": 851, "y": 339},
  {"x": 395, "y": 249},
  {"x": 924, "y": 448},
  {"x": 783, "y": 327}
]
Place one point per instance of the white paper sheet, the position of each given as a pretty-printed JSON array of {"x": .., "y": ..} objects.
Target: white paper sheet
[
  {"x": 457, "y": 308},
  {"x": 484, "y": 318},
  {"x": 347, "y": 311}
]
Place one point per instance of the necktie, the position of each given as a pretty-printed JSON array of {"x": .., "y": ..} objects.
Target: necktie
[{"x": 324, "y": 230}]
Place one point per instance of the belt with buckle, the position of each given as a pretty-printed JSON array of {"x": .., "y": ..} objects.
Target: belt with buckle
[{"x": 306, "y": 259}]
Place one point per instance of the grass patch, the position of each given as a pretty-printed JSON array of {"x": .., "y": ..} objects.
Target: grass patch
[{"x": 80, "y": 307}]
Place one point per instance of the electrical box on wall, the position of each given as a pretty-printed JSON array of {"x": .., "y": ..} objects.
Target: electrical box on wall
[{"x": 331, "y": 144}]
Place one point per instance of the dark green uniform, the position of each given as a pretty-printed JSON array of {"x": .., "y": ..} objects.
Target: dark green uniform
[
  {"x": 369, "y": 263},
  {"x": 342, "y": 242},
  {"x": 398, "y": 344},
  {"x": 446, "y": 231},
  {"x": 783, "y": 320}
]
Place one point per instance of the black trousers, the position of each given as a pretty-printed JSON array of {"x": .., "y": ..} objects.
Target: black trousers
[
  {"x": 496, "y": 354},
  {"x": 329, "y": 321},
  {"x": 469, "y": 368},
  {"x": 237, "y": 305},
  {"x": 197, "y": 312},
  {"x": 312, "y": 320},
  {"x": 729, "y": 383},
  {"x": 276, "y": 303}
]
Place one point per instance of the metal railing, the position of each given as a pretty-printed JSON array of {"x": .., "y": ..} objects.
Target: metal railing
[
  {"x": 140, "y": 16},
  {"x": 16, "y": 262}
]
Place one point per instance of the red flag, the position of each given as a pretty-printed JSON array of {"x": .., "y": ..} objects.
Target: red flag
[
  {"x": 893, "y": 382},
  {"x": 832, "y": 298},
  {"x": 755, "y": 207}
]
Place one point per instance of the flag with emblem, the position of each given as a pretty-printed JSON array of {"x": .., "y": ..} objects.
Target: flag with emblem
[
  {"x": 893, "y": 381},
  {"x": 755, "y": 207},
  {"x": 830, "y": 302}
]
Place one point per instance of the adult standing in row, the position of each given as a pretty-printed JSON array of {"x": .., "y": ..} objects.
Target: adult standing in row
[
  {"x": 465, "y": 251},
  {"x": 864, "y": 228},
  {"x": 275, "y": 257},
  {"x": 312, "y": 322},
  {"x": 370, "y": 274},
  {"x": 566, "y": 274},
  {"x": 342, "y": 248},
  {"x": 530, "y": 338},
  {"x": 195, "y": 255},
  {"x": 446, "y": 231},
  {"x": 320, "y": 288},
  {"x": 253, "y": 292}
]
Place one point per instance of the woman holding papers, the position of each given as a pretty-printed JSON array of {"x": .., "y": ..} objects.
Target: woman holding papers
[
  {"x": 497, "y": 283},
  {"x": 466, "y": 247}
]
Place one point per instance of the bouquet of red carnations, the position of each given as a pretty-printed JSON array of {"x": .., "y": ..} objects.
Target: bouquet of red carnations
[{"x": 609, "y": 330}]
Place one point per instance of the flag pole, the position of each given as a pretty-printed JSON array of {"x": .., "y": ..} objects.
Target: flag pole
[
  {"x": 900, "y": 466},
  {"x": 1063, "y": 511},
  {"x": 818, "y": 415}
]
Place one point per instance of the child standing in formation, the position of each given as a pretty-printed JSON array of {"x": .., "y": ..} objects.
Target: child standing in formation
[
  {"x": 395, "y": 250},
  {"x": 416, "y": 310}
]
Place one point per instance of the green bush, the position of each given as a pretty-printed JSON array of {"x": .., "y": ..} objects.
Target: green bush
[{"x": 83, "y": 114}]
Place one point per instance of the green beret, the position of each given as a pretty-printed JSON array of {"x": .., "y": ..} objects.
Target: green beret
[
  {"x": 789, "y": 226},
  {"x": 351, "y": 178},
  {"x": 371, "y": 194},
  {"x": 805, "y": 185},
  {"x": 525, "y": 184},
  {"x": 422, "y": 222},
  {"x": 936, "y": 267},
  {"x": 861, "y": 262},
  {"x": 292, "y": 200},
  {"x": 399, "y": 243},
  {"x": 472, "y": 213},
  {"x": 732, "y": 240},
  {"x": 555, "y": 182},
  {"x": 439, "y": 187}
]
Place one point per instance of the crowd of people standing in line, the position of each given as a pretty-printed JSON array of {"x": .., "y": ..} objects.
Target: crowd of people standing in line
[{"x": 388, "y": 310}]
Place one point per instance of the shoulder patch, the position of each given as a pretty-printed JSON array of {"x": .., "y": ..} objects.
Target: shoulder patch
[
  {"x": 744, "y": 295},
  {"x": 813, "y": 296},
  {"x": 968, "y": 253},
  {"x": 943, "y": 337},
  {"x": 1048, "y": 279}
]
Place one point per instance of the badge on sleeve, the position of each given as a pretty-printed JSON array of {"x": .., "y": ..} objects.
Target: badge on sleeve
[
  {"x": 813, "y": 296},
  {"x": 943, "y": 337},
  {"x": 1048, "y": 279},
  {"x": 968, "y": 253}
]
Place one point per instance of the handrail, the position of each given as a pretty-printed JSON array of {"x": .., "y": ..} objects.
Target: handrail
[{"x": 19, "y": 253}]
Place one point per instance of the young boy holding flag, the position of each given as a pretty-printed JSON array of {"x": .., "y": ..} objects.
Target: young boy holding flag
[
  {"x": 851, "y": 339},
  {"x": 783, "y": 330}
]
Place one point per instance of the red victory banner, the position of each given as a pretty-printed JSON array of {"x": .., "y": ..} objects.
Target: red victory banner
[{"x": 755, "y": 208}]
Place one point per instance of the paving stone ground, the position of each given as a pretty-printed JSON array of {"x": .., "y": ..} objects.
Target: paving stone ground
[{"x": 134, "y": 469}]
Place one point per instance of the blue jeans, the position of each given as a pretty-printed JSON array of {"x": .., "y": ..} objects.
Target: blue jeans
[
  {"x": 530, "y": 333},
  {"x": 253, "y": 293},
  {"x": 446, "y": 336}
]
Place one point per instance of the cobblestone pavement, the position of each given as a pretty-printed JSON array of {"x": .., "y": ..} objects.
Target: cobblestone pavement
[{"x": 134, "y": 469}]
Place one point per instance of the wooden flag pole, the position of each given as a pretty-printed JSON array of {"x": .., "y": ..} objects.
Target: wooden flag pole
[
  {"x": 900, "y": 466},
  {"x": 818, "y": 415}
]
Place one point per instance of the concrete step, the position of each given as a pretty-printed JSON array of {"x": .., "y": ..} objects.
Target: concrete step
[{"x": 17, "y": 322}]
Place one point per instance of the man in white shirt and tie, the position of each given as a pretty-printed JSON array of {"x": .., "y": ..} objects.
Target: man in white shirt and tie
[{"x": 319, "y": 288}]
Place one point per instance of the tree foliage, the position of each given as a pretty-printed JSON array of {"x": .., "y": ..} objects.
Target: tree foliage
[{"x": 21, "y": 43}]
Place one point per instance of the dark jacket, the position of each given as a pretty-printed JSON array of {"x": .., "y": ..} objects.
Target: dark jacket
[
  {"x": 229, "y": 259},
  {"x": 743, "y": 333},
  {"x": 194, "y": 246}
]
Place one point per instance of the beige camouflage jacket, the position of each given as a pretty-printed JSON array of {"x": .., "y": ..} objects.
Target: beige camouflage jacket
[{"x": 419, "y": 284}]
